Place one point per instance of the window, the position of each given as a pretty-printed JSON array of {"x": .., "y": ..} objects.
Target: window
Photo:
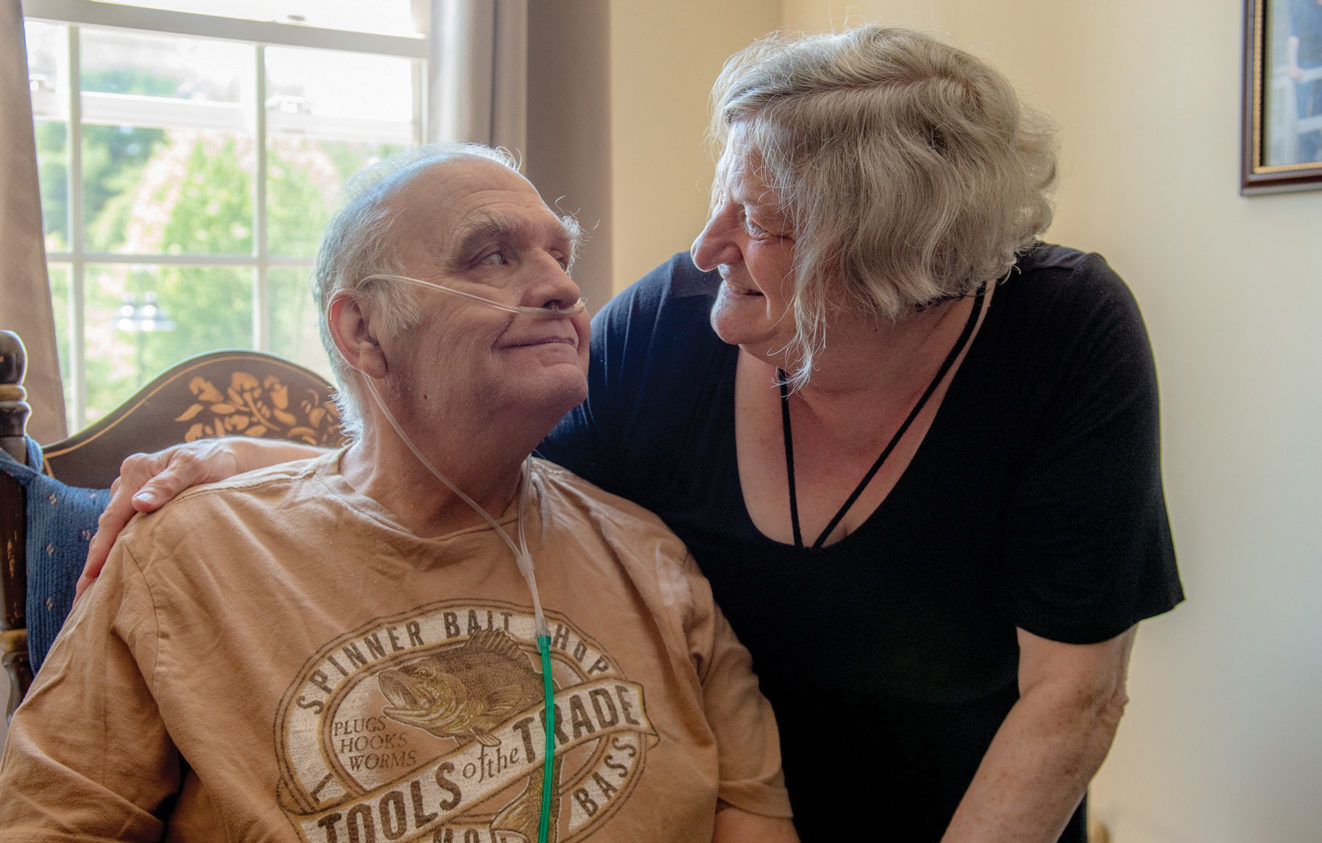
[{"x": 188, "y": 164}]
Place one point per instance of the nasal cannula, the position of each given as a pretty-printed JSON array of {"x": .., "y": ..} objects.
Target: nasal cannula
[
  {"x": 522, "y": 557},
  {"x": 549, "y": 312}
]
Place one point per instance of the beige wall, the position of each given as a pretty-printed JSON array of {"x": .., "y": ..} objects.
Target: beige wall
[
  {"x": 1221, "y": 742},
  {"x": 664, "y": 57},
  {"x": 569, "y": 131}
]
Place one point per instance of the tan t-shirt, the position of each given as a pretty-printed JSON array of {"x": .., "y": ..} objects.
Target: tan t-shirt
[{"x": 274, "y": 658}]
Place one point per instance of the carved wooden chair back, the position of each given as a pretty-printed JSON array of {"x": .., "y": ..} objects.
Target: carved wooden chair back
[{"x": 50, "y": 500}]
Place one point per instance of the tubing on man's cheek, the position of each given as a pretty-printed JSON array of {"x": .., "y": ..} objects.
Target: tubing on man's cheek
[{"x": 550, "y": 312}]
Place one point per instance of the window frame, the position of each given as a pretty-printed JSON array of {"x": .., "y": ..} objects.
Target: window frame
[{"x": 76, "y": 14}]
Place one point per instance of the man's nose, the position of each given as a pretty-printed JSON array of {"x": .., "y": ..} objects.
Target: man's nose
[
  {"x": 715, "y": 245},
  {"x": 554, "y": 288}
]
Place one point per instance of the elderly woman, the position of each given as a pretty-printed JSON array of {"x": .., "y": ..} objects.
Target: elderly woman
[{"x": 914, "y": 449}]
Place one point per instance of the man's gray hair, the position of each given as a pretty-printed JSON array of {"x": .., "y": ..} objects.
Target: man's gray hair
[
  {"x": 909, "y": 170},
  {"x": 358, "y": 243}
]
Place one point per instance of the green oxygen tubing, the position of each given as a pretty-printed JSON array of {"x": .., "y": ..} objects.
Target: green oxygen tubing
[{"x": 524, "y": 560}]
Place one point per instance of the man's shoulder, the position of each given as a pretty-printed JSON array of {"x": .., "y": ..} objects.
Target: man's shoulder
[
  {"x": 633, "y": 531},
  {"x": 263, "y": 493},
  {"x": 564, "y": 487},
  {"x": 613, "y": 539},
  {"x": 272, "y": 479}
]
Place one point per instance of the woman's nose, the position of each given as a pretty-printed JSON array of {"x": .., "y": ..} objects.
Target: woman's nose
[{"x": 715, "y": 245}]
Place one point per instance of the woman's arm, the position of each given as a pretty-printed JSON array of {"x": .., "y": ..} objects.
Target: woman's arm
[
  {"x": 1053, "y": 741},
  {"x": 147, "y": 481}
]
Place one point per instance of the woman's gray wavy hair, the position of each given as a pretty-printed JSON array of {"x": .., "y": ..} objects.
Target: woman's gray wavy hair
[
  {"x": 358, "y": 243},
  {"x": 909, "y": 169}
]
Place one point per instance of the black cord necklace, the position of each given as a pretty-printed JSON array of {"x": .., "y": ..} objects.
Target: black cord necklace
[{"x": 890, "y": 446}]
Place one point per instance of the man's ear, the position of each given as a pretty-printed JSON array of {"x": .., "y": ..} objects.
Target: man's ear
[{"x": 353, "y": 332}]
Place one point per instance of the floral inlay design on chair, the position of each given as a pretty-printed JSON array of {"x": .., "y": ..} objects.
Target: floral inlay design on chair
[{"x": 259, "y": 408}]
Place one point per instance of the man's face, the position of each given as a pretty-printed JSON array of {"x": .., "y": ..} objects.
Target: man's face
[{"x": 476, "y": 226}]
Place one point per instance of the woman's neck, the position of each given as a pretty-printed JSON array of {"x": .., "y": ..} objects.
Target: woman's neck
[
  {"x": 866, "y": 364},
  {"x": 867, "y": 386}
]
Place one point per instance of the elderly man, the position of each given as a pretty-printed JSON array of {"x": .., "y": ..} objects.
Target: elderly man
[{"x": 347, "y": 649}]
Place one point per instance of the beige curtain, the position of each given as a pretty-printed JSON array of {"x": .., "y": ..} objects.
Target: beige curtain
[
  {"x": 533, "y": 78},
  {"x": 477, "y": 86},
  {"x": 24, "y": 291},
  {"x": 569, "y": 127}
]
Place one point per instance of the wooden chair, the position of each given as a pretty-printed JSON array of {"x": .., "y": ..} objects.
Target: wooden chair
[{"x": 51, "y": 495}]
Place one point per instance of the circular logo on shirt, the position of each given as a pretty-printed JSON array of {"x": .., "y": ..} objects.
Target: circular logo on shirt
[{"x": 432, "y": 726}]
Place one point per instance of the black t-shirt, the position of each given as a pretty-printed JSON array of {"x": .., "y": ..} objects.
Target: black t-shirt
[{"x": 1034, "y": 501}]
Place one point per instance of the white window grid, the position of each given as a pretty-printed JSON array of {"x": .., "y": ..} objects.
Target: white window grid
[{"x": 67, "y": 103}]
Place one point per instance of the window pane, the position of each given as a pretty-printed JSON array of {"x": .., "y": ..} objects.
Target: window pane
[
  {"x": 59, "y": 299},
  {"x": 165, "y": 136},
  {"x": 164, "y": 163},
  {"x": 48, "y": 68},
  {"x": 113, "y": 366},
  {"x": 53, "y": 175},
  {"x": 126, "y": 344},
  {"x": 48, "y": 80},
  {"x": 303, "y": 182},
  {"x": 334, "y": 94},
  {"x": 294, "y": 320},
  {"x": 385, "y": 17},
  {"x": 146, "y": 70},
  {"x": 329, "y": 114},
  {"x": 176, "y": 192}
]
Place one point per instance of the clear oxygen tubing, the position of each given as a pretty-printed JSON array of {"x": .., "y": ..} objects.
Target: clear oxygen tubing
[
  {"x": 522, "y": 558},
  {"x": 553, "y": 312}
]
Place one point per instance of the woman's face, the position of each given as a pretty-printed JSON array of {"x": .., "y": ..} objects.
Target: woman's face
[{"x": 749, "y": 240}]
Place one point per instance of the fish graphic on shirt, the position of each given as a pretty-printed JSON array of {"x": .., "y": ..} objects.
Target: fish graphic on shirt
[
  {"x": 463, "y": 692},
  {"x": 466, "y": 691}
]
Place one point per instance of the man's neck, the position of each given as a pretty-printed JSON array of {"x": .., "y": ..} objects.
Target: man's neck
[{"x": 384, "y": 469}]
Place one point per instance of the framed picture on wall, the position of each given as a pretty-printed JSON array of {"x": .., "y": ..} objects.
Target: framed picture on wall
[{"x": 1282, "y": 128}]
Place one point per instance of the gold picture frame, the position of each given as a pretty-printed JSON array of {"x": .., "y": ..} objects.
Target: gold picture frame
[{"x": 1282, "y": 102}]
